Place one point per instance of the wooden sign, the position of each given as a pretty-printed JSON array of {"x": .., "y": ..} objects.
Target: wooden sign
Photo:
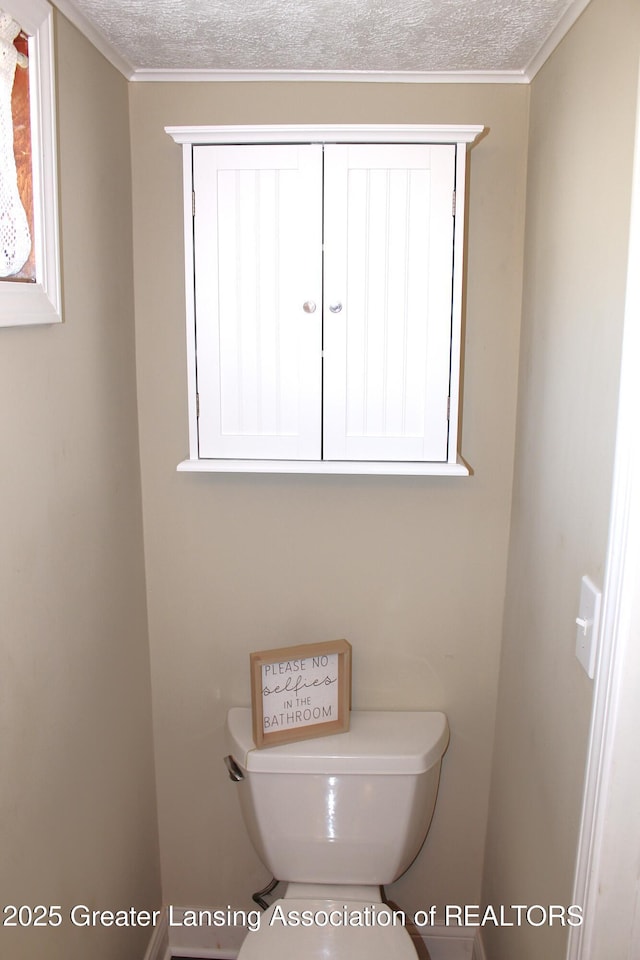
[{"x": 300, "y": 692}]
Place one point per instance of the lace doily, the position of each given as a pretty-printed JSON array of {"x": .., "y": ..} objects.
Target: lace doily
[{"x": 15, "y": 240}]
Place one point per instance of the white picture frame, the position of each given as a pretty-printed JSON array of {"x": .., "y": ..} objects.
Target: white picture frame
[{"x": 39, "y": 302}]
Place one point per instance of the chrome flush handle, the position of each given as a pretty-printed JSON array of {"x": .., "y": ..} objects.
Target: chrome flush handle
[{"x": 235, "y": 773}]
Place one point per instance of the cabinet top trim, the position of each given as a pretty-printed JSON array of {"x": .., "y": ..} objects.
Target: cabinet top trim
[{"x": 340, "y": 133}]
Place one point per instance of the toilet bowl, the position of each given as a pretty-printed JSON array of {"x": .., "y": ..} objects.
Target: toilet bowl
[{"x": 336, "y": 818}]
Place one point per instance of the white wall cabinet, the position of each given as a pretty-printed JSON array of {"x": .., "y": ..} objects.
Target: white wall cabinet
[{"x": 324, "y": 273}]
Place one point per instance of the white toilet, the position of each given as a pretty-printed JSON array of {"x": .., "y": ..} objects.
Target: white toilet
[{"x": 336, "y": 818}]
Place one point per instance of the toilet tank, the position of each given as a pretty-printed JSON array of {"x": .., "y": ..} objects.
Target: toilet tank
[{"x": 352, "y": 808}]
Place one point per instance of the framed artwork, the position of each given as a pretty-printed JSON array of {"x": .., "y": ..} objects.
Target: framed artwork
[
  {"x": 30, "y": 291},
  {"x": 300, "y": 692}
]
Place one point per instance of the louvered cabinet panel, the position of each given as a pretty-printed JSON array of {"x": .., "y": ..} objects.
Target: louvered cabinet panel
[
  {"x": 257, "y": 261},
  {"x": 388, "y": 300}
]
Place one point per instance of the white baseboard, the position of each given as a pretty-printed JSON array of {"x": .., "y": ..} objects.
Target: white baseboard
[
  {"x": 208, "y": 943},
  {"x": 448, "y": 943},
  {"x": 223, "y": 943},
  {"x": 478, "y": 947},
  {"x": 158, "y": 948}
]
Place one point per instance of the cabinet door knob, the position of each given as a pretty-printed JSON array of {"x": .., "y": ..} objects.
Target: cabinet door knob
[
  {"x": 335, "y": 307},
  {"x": 309, "y": 306}
]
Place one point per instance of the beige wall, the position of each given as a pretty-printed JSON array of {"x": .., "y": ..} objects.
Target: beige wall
[
  {"x": 414, "y": 567},
  {"x": 405, "y": 566},
  {"x": 77, "y": 806},
  {"x": 411, "y": 571},
  {"x": 580, "y": 155}
]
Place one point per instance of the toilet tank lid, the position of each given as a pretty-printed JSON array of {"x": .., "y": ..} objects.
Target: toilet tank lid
[{"x": 384, "y": 742}]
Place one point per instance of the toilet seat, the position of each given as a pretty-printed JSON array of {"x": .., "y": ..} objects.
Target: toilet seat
[{"x": 332, "y": 932}]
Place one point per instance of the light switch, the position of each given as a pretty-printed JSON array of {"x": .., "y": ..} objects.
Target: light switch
[{"x": 588, "y": 624}]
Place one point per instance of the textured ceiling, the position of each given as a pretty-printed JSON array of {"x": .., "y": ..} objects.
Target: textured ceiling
[{"x": 319, "y": 35}]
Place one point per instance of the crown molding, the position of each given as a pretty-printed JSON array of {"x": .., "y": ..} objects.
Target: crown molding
[
  {"x": 69, "y": 10},
  {"x": 150, "y": 75},
  {"x": 557, "y": 35},
  {"x": 145, "y": 75}
]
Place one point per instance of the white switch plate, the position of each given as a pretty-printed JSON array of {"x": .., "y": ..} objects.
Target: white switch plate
[{"x": 588, "y": 624}]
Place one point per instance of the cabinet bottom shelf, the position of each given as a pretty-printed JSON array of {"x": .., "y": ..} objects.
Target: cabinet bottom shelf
[{"x": 329, "y": 467}]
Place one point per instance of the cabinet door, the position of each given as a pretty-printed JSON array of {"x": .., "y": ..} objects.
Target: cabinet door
[
  {"x": 387, "y": 290},
  {"x": 258, "y": 261}
]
